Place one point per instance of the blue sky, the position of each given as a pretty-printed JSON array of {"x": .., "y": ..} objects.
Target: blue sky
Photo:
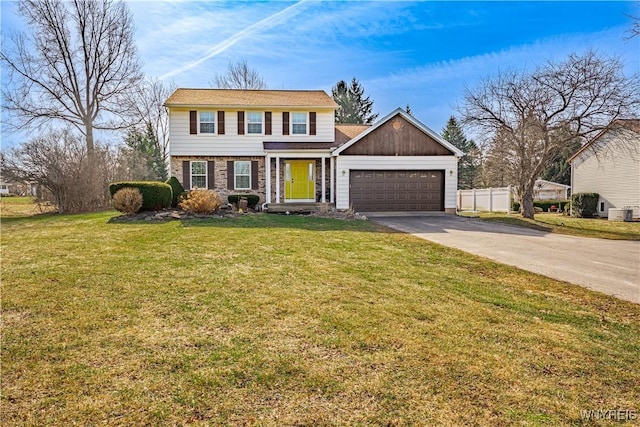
[{"x": 417, "y": 53}]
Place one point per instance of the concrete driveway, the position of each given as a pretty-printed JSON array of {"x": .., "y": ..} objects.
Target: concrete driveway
[{"x": 608, "y": 266}]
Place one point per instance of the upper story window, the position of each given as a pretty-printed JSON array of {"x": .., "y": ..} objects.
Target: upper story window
[
  {"x": 298, "y": 123},
  {"x": 207, "y": 122},
  {"x": 254, "y": 122}
]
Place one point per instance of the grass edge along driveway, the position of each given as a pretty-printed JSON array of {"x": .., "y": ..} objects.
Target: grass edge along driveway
[
  {"x": 599, "y": 228},
  {"x": 274, "y": 320}
]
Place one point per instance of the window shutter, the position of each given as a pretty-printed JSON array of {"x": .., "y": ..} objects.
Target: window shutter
[
  {"x": 254, "y": 175},
  {"x": 220, "y": 122},
  {"x": 193, "y": 122},
  {"x": 230, "y": 176},
  {"x": 240, "y": 122},
  {"x": 285, "y": 123},
  {"x": 312, "y": 123},
  {"x": 186, "y": 174},
  {"x": 211, "y": 176},
  {"x": 267, "y": 123}
]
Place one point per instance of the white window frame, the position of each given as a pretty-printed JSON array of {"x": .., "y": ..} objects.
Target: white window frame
[
  {"x": 248, "y": 122},
  {"x": 213, "y": 113},
  {"x": 306, "y": 122},
  {"x": 236, "y": 175},
  {"x": 191, "y": 174}
]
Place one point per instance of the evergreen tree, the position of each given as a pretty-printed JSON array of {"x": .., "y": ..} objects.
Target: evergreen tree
[
  {"x": 468, "y": 164},
  {"x": 146, "y": 160},
  {"x": 353, "y": 106},
  {"x": 559, "y": 170}
]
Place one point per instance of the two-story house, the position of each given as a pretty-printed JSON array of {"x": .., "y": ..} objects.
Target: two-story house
[{"x": 284, "y": 146}]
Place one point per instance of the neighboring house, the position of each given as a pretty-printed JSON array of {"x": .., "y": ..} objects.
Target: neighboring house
[
  {"x": 548, "y": 190},
  {"x": 609, "y": 165},
  {"x": 284, "y": 146},
  {"x": 17, "y": 188}
]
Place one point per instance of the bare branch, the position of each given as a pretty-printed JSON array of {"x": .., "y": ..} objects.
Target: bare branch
[
  {"x": 75, "y": 65},
  {"x": 530, "y": 118},
  {"x": 239, "y": 76}
]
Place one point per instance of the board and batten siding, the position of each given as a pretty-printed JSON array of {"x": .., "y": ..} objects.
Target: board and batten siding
[
  {"x": 614, "y": 173},
  {"x": 182, "y": 143},
  {"x": 448, "y": 164}
]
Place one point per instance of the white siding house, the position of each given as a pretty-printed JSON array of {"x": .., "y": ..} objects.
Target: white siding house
[
  {"x": 610, "y": 166},
  {"x": 285, "y": 147}
]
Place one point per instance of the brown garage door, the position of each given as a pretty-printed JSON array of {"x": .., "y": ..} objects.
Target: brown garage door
[{"x": 389, "y": 191}]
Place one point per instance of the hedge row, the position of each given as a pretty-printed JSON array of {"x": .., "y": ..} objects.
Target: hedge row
[
  {"x": 545, "y": 205},
  {"x": 155, "y": 195},
  {"x": 177, "y": 189},
  {"x": 585, "y": 205}
]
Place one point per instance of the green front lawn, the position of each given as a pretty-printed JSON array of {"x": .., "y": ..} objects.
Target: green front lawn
[
  {"x": 583, "y": 227},
  {"x": 288, "y": 320}
]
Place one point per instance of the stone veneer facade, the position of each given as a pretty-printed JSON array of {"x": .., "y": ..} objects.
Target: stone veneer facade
[{"x": 220, "y": 169}]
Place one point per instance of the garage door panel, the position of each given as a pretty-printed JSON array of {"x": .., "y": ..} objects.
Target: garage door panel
[{"x": 392, "y": 190}]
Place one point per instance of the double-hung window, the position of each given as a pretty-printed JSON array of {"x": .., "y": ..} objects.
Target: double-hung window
[
  {"x": 207, "y": 122},
  {"x": 198, "y": 174},
  {"x": 254, "y": 122},
  {"x": 242, "y": 175},
  {"x": 298, "y": 123}
]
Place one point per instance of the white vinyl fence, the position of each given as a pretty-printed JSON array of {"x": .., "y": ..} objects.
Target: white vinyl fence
[{"x": 485, "y": 199}]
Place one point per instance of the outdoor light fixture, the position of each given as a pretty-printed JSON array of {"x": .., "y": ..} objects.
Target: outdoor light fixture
[{"x": 344, "y": 172}]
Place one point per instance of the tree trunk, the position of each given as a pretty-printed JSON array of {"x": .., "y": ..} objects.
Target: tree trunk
[
  {"x": 91, "y": 152},
  {"x": 527, "y": 203}
]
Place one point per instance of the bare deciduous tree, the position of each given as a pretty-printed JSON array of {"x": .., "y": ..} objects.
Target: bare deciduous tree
[
  {"x": 76, "y": 65},
  {"x": 147, "y": 104},
  {"x": 59, "y": 164},
  {"x": 530, "y": 117},
  {"x": 239, "y": 76}
]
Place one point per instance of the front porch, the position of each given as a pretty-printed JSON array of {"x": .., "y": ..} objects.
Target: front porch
[{"x": 304, "y": 178}]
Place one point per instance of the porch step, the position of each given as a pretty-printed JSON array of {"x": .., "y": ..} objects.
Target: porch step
[{"x": 297, "y": 207}]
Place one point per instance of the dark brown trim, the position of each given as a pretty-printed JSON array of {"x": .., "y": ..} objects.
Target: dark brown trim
[
  {"x": 312, "y": 123},
  {"x": 230, "y": 175},
  {"x": 220, "y": 122},
  {"x": 254, "y": 174},
  {"x": 267, "y": 122},
  {"x": 186, "y": 174},
  {"x": 211, "y": 176},
  {"x": 193, "y": 122},
  {"x": 285, "y": 123},
  {"x": 240, "y": 122}
]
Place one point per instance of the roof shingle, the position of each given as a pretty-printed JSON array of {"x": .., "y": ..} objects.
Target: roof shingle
[{"x": 250, "y": 98}]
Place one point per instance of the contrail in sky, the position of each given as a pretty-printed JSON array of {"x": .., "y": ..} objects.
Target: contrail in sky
[{"x": 268, "y": 22}]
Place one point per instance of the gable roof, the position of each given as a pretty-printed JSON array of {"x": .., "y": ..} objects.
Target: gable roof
[
  {"x": 184, "y": 97},
  {"x": 399, "y": 111},
  {"x": 629, "y": 124},
  {"x": 540, "y": 183}
]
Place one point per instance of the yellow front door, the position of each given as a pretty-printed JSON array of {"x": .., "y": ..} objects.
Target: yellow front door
[{"x": 299, "y": 180}]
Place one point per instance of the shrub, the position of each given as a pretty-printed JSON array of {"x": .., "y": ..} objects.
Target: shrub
[
  {"x": 176, "y": 190},
  {"x": 585, "y": 205},
  {"x": 201, "y": 201},
  {"x": 155, "y": 195},
  {"x": 545, "y": 205},
  {"x": 127, "y": 200},
  {"x": 252, "y": 199}
]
